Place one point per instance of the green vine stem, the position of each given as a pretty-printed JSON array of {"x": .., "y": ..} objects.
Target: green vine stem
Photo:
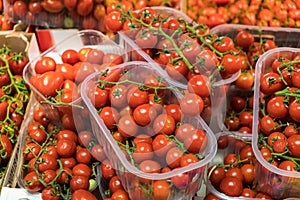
[
  {"x": 165, "y": 35},
  {"x": 286, "y": 64}
]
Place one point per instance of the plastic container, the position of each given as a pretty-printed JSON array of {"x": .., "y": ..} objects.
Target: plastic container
[
  {"x": 217, "y": 93},
  {"x": 131, "y": 46},
  {"x": 283, "y": 37},
  {"x": 130, "y": 176},
  {"x": 17, "y": 172},
  {"x": 85, "y": 38},
  {"x": 233, "y": 147},
  {"x": 277, "y": 182}
]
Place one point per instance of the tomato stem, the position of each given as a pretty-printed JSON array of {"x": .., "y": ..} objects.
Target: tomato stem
[{"x": 161, "y": 31}]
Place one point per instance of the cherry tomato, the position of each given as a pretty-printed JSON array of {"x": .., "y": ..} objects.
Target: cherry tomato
[
  {"x": 191, "y": 104},
  {"x": 83, "y": 155},
  {"x": 294, "y": 110},
  {"x": 79, "y": 182},
  {"x": 107, "y": 170},
  {"x": 127, "y": 126},
  {"x": 47, "y": 163},
  {"x": 217, "y": 175},
  {"x": 120, "y": 195},
  {"x": 150, "y": 166},
  {"x": 32, "y": 183},
  {"x": 113, "y": 21},
  {"x": 200, "y": 85},
  {"x": 136, "y": 97},
  {"x": 70, "y": 56},
  {"x": 45, "y": 64},
  {"x": 50, "y": 193},
  {"x": 82, "y": 169},
  {"x": 161, "y": 190},
  {"x": 196, "y": 141},
  {"x": 66, "y": 148},
  {"x": 231, "y": 186},
  {"x": 83, "y": 194},
  {"x": 244, "y": 39},
  {"x": 110, "y": 116}
]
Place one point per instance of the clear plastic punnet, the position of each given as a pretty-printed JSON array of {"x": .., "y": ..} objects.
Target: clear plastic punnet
[
  {"x": 127, "y": 164},
  {"x": 180, "y": 78},
  {"x": 234, "y": 143},
  {"x": 283, "y": 37},
  {"x": 86, "y": 39},
  {"x": 273, "y": 179}
]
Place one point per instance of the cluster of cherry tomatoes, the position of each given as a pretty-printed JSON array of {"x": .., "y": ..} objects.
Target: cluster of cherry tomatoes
[
  {"x": 235, "y": 176},
  {"x": 59, "y": 80},
  {"x": 258, "y": 12},
  {"x": 58, "y": 162},
  {"x": 5, "y": 24},
  {"x": 14, "y": 96},
  {"x": 279, "y": 120},
  {"x": 85, "y": 14},
  {"x": 155, "y": 129},
  {"x": 240, "y": 92}
]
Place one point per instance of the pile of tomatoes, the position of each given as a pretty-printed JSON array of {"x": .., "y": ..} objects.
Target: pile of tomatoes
[
  {"x": 58, "y": 162},
  {"x": 5, "y": 24},
  {"x": 235, "y": 176},
  {"x": 59, "y": 80},
  {"x": 155, "y": 129},
  {"x": 279, "y": 115},
  {"x": 85, "y": 14},
  {"x": 14, "y": 96},
  {"x": 258, "y": 12},
  {"x": 239, "y": 113}
]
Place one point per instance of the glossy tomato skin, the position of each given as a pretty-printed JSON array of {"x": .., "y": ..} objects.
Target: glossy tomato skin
[
  {"x": 66, "y": 148},
  {"x": 231, "y": 186},
  {"x": 45, "y": 64},
  {"x": 81, "y": 194},
  {"x": 79, "y": 182},
  {"x": 70, "y": 56},
  {"x": 48, "y": 163},
  {"x": 33, "y": 184},
  {"x": 50, "y": 193},
  {"x": 191, "y": 104}
]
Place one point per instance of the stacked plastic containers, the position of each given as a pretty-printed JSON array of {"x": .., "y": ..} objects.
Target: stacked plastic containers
[
  {"x": 283, "y": 37},
  {"x": 272, "y": 178},
  {"x": 132, "y": 177},
  {"x": 85, "y": 39}
]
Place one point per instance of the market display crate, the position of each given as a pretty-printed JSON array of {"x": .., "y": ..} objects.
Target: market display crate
[
  {"x": 242, "y": 88},
  {"x": 83, "y": 14},
  {"x": 279, "y": 166},
  {"x": 261, "y": 13},
  {"x": 65, "y": 65},
  {"x": 41, "y": 165},
  {"x": 124, "y": 159},
  {"x": 15, "y": 47}
]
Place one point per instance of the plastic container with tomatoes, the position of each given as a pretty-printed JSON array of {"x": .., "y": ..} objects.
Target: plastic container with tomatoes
[
  {"x": 149, "y": 174},
  {"x": 60, "y": 164},
  {"x": 64, "y": 66},
  {"x": 275, "y": 127},
  {"x": 244, "y": 35},
  {"x": 235, "y": 158},
  {"x": 139, "y": 46}
]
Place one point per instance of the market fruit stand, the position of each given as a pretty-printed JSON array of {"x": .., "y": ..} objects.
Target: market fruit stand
[{"x": 149, "y": 99}]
